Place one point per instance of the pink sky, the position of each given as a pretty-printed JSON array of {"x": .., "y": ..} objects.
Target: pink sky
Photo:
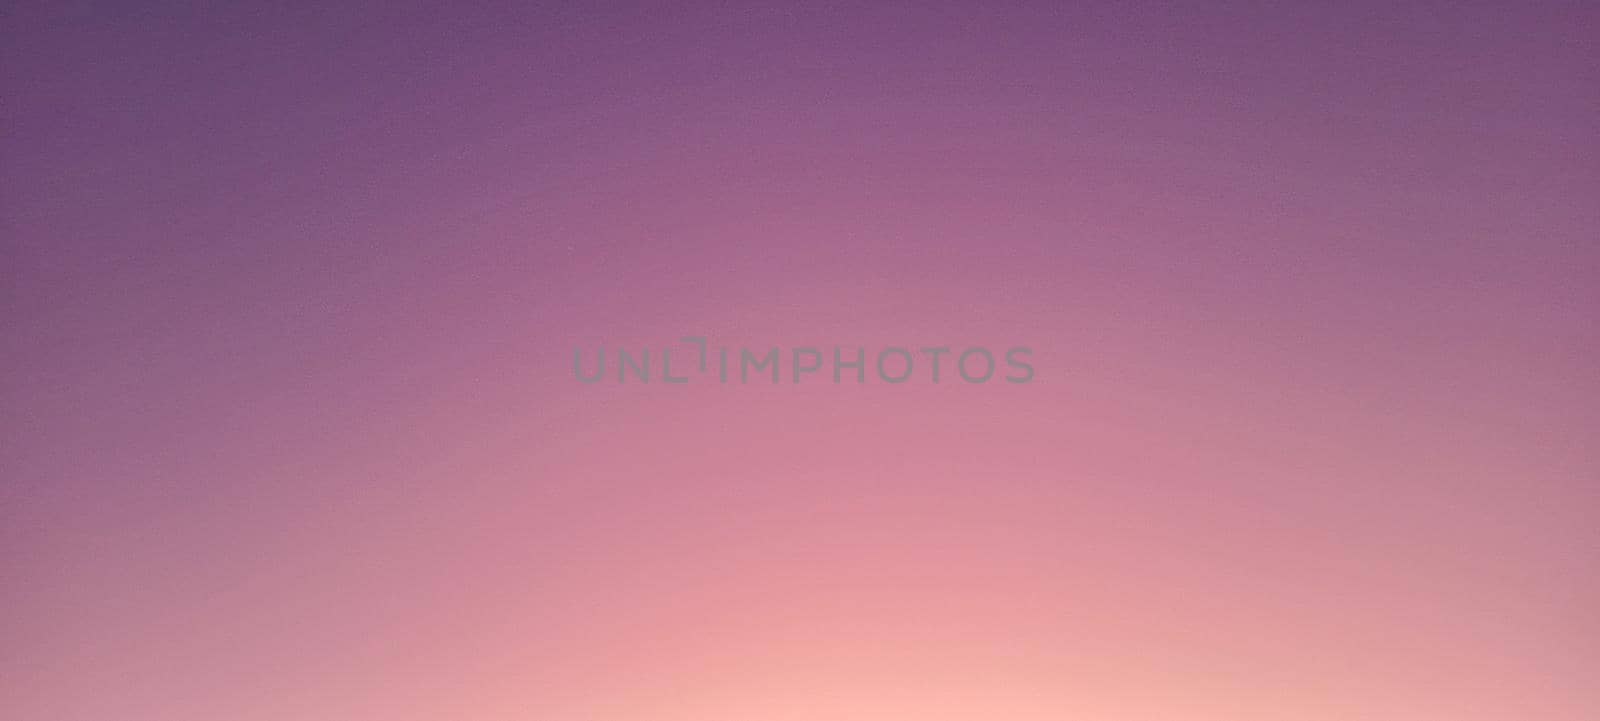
[{"x": 291, "y": 296}]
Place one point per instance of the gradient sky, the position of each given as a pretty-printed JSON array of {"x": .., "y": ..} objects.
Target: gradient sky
[{"x": 291, "y": 294}]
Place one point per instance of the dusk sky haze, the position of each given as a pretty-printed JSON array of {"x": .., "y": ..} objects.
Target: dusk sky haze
[{"x": 289, "y": 296}]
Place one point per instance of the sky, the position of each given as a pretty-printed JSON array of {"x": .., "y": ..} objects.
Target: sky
[{"x": 290, "y": 295}]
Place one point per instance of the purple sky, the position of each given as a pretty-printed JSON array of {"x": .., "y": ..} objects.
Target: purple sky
[{"x": 289, "y": 297}]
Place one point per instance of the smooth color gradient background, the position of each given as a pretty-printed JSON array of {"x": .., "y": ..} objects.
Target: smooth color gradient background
[{"x": 291, "y": 291}]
